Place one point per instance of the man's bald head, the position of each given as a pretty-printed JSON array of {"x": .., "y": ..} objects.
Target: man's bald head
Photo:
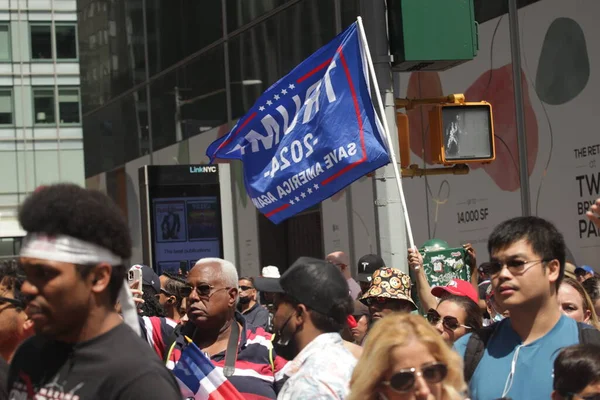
[
  {"x": 340, "y": 260},
  {"x": 338, "y": 257}
]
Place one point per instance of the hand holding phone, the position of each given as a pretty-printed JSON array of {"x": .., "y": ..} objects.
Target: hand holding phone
[{"x": 134, "y": 278}]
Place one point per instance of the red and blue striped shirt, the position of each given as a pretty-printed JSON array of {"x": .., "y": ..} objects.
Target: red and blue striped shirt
[{"x": 256, "y": 363}]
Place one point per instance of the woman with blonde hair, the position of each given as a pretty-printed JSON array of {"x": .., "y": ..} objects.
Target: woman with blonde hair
[
  {"x": 574, "y": 302},
  {"x": 406, "y": 358}
]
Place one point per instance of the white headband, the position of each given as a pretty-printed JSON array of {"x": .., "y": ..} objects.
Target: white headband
[{"x": 68, "y": 249}]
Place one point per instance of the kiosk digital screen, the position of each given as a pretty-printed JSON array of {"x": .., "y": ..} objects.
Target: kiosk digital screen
[
  {"x": 185, "y": 228},
  {"x": 184, "y": 221}
]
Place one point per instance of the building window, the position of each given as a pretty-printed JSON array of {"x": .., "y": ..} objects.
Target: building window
[
  {"x": 4, "y": 42},
  {"x": 66, "y": 42},
  {"x": 43, "y": 105},
  {"x": 65, "y": 39},
  {"x": 41, "y": 42},
  {"x": 6, "y": 107},
  {"x": 68, "y": 106}
]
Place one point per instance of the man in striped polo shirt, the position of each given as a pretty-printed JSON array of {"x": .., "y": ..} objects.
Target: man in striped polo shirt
[{"x": 213, "y": 320}]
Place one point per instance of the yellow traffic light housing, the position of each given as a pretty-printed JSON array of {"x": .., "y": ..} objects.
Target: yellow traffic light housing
[{"x": 462, "y": 133}]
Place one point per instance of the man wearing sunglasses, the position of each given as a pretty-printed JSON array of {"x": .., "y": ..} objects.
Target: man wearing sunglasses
[
  {"x": 218, "y": 329},
  {"x": 389, "y": 292},
  {"x": 513, "y": 358},
  {"x": 15, "y": 326},
  {"x": 254, "y": 313}
]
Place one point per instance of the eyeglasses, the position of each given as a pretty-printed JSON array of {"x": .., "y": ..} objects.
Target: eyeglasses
[
  {"x": 14, "y": 302},
  {"x": 404, "y": 380},
  {"x": 448, "y": 322},
  {"x": 516, "y": 267},
  {"x": 204, "y": 290},
  {"x": 244, "y": 288}
]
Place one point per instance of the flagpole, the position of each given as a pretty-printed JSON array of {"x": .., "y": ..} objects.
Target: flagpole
[{"x": 386, "y": 129}]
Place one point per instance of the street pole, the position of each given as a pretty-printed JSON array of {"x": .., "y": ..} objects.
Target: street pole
[
  {"x": 515, "y": 52},
  {"x": 391, "y": 228}
]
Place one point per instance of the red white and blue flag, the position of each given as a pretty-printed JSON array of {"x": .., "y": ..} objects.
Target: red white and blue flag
[
  {"x": 311, "y": 134},
  {"x": 198, "y": 378}
]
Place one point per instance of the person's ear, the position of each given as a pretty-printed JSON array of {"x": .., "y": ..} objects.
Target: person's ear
[
  {"x": 553, "y": 268},
  {"x": 301, "y": 314},
  {"x": 587, "y": 315},
  {"x": 233, "y": 295},
  {"x": 171, "y": 300},
  {"x": 28, "y": 327},
  {"x": 100, "y": 277}
]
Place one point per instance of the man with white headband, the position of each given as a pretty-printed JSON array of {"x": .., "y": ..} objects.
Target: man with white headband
[{"x": 73, "y": 258}]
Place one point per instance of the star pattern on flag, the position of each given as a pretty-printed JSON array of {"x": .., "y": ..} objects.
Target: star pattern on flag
[
  {"x": 291, "y": 86},
  {"x": 269, "y": 102},
  {"x": 309, "y": 191},
  {"x": 297, "y": 198},
  {"x": 283, "y": 91},
  {"x": 292, "y": 202},
  {"x": 316, "y": 186},
  {"x": 261, "y": 108},
  {"x": 303, "y": 195},
  {"x": 276, "y": 97}
]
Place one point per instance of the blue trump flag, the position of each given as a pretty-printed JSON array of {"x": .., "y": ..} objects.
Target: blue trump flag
[{"x": 309, "y": 135}]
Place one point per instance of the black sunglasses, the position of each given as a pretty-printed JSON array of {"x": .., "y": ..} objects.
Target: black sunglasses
[
  {"x": 448, "y": 322},
  {"x": 244, "y": 288},
  {"x": 514, "y": 266},
  {"x": 14, "y": 302},
  {"x": 203, "y": 290},
  {"x": 404, "y": 380},
  {"x": 185, "y": 291}
]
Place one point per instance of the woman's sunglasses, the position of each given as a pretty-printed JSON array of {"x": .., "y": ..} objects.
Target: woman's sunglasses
[
  {"x": 404, "y": 380},
  {"x": 448, "y": 322}
]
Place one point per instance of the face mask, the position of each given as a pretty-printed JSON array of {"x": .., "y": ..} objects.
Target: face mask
[
  {"x": 284, "y": 339},
  {"x": 244, "y": 300}
]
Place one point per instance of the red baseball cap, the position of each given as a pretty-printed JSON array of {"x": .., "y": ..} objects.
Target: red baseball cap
[{"x": 457, "y": 287}]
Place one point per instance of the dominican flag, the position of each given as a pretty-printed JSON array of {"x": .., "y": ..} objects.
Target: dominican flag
[
  {"x": 198, "y": 378},
  {"x": 311, "y": 134}
]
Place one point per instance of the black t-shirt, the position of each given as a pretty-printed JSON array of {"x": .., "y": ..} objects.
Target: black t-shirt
[
  {"x": 3, "y": 377},
  {"x": 117, "y": 365}
]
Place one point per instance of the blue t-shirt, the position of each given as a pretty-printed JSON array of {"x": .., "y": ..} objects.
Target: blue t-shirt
[{"x": 532, "y": 378}]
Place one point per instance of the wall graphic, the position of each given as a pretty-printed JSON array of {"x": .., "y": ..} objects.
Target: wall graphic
[{"x": 563, "y": 144}]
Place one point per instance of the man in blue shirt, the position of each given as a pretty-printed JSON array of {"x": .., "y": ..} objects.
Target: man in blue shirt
[{"x": 527, "y": 257}]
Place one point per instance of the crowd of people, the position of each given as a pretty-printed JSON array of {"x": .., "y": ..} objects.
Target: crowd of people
[{"x": 524, "y": 327}]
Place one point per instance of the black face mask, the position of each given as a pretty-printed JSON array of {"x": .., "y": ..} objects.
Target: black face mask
[
  {"x": 244, "y": 300},
  {"x": 286, "y": 340}
]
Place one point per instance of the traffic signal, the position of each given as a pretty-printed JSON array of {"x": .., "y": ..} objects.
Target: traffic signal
[{"x": 462, "y": 133}]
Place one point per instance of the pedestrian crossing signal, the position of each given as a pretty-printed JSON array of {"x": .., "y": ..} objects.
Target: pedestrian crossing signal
[{"x": 462, "y": 133}]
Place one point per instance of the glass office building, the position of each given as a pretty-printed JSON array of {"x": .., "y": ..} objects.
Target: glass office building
[
  {"x": 40, "y": 115},
  {"x": 219, "y": 55}
]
